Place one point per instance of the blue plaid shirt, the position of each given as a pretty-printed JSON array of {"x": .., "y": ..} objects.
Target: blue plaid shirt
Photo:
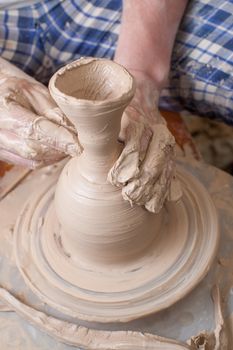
[{"x": 42, "y": 37}]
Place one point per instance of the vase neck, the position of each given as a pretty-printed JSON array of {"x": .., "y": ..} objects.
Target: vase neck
[
  {"x": 98, "y": 129},
  {"x": 93, "y": 94}
]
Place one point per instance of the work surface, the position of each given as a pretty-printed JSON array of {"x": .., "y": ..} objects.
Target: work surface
[{"x": 187, "y": 318}]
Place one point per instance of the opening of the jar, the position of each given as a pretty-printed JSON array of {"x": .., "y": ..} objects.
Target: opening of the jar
[{"x": 96, "y": 80}]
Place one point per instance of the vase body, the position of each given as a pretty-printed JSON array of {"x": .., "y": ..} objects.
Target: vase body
[
  {"x": 97, "y": 225},
  {"x": 80, "y": 247}
]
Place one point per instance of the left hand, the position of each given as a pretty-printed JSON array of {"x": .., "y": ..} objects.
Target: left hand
[
  {"x": 146, "y": 169},
  {"x": 33, "y": 130}
]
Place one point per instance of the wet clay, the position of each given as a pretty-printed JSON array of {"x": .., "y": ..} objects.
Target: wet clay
[
  {"x": 98, "y": 226},
  {"x": 219, "y": 338},
  {"x": 31, "y": 115},
  {"x": 87, "y": 338},
  {"x": 83, "y": 249},
  {"x": 91, "y": 339},
  {"x": 168, "y": 322}
]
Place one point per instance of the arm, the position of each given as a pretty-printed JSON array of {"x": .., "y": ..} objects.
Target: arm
[
  {"x": 146, "y": 168},
  {"x": 147, "y": 36}
]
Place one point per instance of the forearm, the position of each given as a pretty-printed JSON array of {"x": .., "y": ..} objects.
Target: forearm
[
  {"x": 147, "y": 36},
  {"x": 7, "y": 68}
]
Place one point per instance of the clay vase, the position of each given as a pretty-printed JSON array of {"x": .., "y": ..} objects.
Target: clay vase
[
  {"x": 97, "y": 225},
  {"x": 79, "y": 246}
]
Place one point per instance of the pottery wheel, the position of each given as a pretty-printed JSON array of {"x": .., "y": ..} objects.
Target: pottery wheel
[{"x": 178, "y": 259}]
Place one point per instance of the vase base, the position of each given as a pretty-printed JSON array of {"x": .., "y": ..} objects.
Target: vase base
[{"x": 178, "y": 258}]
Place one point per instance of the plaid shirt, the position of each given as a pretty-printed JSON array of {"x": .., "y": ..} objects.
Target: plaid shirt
[{"x": 42, "y": 37}]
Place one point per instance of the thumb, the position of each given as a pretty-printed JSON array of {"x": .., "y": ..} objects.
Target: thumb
[
  {"x": 127, "y": 167},
  {"x": 56, "y": 136}
]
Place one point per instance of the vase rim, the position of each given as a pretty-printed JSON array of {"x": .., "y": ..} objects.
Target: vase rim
[{"x": 123, "y": 98}]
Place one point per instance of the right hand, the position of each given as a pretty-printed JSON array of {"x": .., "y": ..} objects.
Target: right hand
[
  {"x": 146, "y": 169},
  {"x": 33, "y": 130}
]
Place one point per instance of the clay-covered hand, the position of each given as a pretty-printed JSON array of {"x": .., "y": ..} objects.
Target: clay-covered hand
[
  {"x": 33, "y": 130},
  {"x": 145, "y": 169}
]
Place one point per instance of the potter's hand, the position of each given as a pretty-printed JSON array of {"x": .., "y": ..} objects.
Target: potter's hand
[
  {"x": 33, "y": 131},
  {"x": 146, "y": 167}
]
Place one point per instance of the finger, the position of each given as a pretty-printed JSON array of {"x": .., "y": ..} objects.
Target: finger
[
  {"x": 175, "y": 190},
  {"x": 15, "y": 159},
  {"x": 10, "y": 157},
  {"x": 40, "y": 100},
  {"x": 33, "y": 96},
  {"x": 27, "y": 149},
  {"x": 155, "y": 204},
  {"x": 160, "y": 190},
  {"x": 160, "y": 150},
  {"x": 124, "y": 126},
  {"x": 159, "y": 153},
  {"x": 56, "y": 116},
  {"x": 127, "y": 165},
  {"x": 26, "y": 124},
  {"x": 12, "y": 143},
  {"x": 137, "y": 191},
  {"x": 55, "y": 136}
]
